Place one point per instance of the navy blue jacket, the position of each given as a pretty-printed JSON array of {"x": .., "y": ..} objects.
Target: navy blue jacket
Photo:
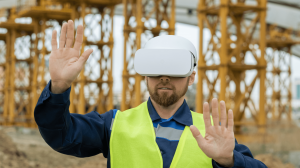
[{"x": 89, "y": 134}]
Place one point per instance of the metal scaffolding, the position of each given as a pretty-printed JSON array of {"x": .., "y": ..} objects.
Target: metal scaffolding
[
  {"x": 93, "y": 89},
  {"x": 279, "y": 82},
  {"x": 43, "y": 14},
  {"x": 2, "y": 75},
  {"x": 27, "y": 50},
  {"x": 222, "y": 67},
  {"x": 143, "y": 20},
  {"x": 18, "y": 67}
]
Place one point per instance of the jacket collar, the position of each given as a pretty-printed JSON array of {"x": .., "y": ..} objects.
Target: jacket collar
[{"x": 182, "y": 115}]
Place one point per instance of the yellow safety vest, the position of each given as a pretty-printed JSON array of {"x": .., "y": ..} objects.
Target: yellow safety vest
[{"x": 133, "y": 142}]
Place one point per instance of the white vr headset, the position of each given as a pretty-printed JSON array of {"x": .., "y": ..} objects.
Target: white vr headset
[{"x": 167, "y": 55}]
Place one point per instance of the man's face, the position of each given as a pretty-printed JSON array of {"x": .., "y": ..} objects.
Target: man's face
[{"x": 166, "y": 90}]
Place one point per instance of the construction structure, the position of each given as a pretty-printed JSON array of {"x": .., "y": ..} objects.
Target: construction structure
[
  {"x": 25, "y": 60},
  {"x": 2, "y": 72},
  {"x": 17, "y": 109},
  {"x": 93, "y": 89},
  {"x": 29, "y": 59},
  {"x": 143, "y": 20},
  {"x": 45, "y": 16},
  {"x": 222, "y": 67},
  {"x": 279, "y": 82}
]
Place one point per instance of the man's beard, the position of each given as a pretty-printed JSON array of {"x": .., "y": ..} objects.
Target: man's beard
[{"x": 163, "y": 99}]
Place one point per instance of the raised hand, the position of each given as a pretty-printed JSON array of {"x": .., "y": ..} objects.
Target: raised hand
[
  {"x": 65, "y": 63},
  {"x": 218, "y": 142}
]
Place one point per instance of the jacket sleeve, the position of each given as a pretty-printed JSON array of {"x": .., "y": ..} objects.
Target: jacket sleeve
[
  {"x": 242, "y": 158},
  {"x": 71, "y": 134}
]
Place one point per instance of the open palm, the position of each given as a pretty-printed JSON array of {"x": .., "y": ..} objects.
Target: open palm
[
  {"x": 218, "y": 142},
  {"x": 65, "y": 63}
]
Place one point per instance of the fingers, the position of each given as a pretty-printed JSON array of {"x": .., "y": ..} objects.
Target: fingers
[
  {"x": 223, "y": 114},
  {"x": 206, "y": 115},
  {"x": 85, "y": 55},
  {"x": 53, "y": 40},
  {"x": 62, "y": 38},
  {"x": 197, "y": 135},
  {"x": 215, "y": 112},
  {"x": 79, "y": 38},
  {"x": 230, "y": 120},
  {"x": 70, "y": 34}
]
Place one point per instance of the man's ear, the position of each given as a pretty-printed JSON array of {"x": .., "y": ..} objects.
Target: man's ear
[{"x": 192, "y": 78}]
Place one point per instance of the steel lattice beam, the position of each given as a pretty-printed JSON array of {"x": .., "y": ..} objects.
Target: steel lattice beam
[
  {"x": 3, "y": 76},
  {"x": 18, "y": 67},
  {"x": 89, "y": 91},
  {"x": 279, "y": 82},
  {"x": 143, "y": 20},
  {"x": 222, "y": 67},
  {"x": 93, "y": 89}
]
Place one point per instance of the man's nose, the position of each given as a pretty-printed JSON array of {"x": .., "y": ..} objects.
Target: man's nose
[{"x": 164, "y": 79}]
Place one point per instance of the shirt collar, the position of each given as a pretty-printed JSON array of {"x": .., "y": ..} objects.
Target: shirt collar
[{"x": 182, "y": 115}]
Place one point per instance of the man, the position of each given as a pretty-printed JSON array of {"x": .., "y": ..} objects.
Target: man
[{"x": 127, "y": 138}]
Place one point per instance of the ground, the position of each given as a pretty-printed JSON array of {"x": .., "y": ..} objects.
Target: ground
[{"x": 24, "y": 148}]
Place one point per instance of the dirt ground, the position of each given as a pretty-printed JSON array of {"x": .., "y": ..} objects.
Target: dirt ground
[
  {"x": 285, "y": 144},
  {"x": 272, "y": 161},
  {"x": 24, "y": 148}
]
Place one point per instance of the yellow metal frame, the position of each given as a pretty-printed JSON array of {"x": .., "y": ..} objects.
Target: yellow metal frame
[
  {"x": 139, "y": 17},
  {"x": 40, "y": 14},
  {"x": 222, "y": 64},
  {"x": 3, "y": 77},
  {"x": 61, "y": 11},
  {"x": 279, "y": 82},
  {"x": 94, "y": 93},
  {"x": 17, "y": 102}
]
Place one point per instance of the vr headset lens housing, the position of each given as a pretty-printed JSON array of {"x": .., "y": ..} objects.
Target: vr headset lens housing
[{"x": 164, "y": 62}]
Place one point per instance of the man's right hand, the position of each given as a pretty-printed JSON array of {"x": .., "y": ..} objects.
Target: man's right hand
[{"x": 65, "y": 63}]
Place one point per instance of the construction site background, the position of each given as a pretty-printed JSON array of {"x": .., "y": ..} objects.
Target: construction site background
[{"x": 259, "y": 89}]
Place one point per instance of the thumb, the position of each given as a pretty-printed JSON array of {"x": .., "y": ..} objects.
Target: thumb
[
  {"x": 197, "y": 135},
  {"x": 85, "y": 55}
]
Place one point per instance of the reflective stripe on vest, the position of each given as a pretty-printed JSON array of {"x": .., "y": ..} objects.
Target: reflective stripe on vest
[{"x": 133, "y": 142}]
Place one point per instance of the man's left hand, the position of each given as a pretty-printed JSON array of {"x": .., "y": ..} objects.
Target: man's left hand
[{"x": 219, "y": 141}]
